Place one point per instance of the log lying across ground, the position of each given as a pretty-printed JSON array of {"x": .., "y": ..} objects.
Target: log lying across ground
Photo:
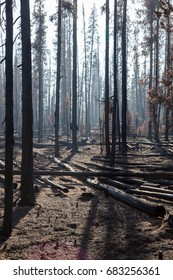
[
  {"x": 103, "y": 167},
  {"x": 129, "y": 165},
  {"x": 35, "y": 145},
  {"x": 53, "y": 185},
  {"x": 115, "y": 183},
  {"x": 137, "y": 174},
  {"x": 155, "y": 189},
  {"x": 165, "y": 196},
  {"x": 138, "y": 203}
]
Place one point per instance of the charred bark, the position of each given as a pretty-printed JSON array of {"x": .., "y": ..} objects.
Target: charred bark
[
  {"x": 27, "y": 191},
  {"x": 9, "y": 141}
]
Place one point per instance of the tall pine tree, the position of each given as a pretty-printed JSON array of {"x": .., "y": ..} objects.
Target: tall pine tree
[
  {"x": 8, "y": 210},
  {"x": 27, "y": 191}
]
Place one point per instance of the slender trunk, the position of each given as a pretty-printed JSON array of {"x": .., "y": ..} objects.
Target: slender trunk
[
  {"x": 114, "y": 114},
  {"x": 16, "y": 97},
  {"x": 86, "y": 76},
  {"x": 137, "y": 91},
  {"x": 107, "y": 143},
  {"x": 9, "y": 142},
  {"x": 58, "y": 78},
  {"x": 27, "y": 191},
  {"x": 64, "y": 81},
  {"x": 49, "y": 84},
  {"x": 168, "y": 89},
  {"x": 157, "y": 107},
  {"x": 150, "y": 81},
  {"x": 124, "y": 81},
  {"x": 69, "y": 78},
  {"x": 40, "y": 125},
  {"x": 74, "y": 105},
  {"x": 89, "y": 85},
  {"x": 40, "y": 75}
]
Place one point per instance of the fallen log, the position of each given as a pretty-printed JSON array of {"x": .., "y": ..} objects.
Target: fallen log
[
  {"x": 155, "y": 189},
  {"x": 35, "y": 145},
  {"x": 162, "y": 182},
  {"x": 122, "y": 164},
  {"x": 103, "y": 167},
  {"x": 126, "y": 163},
  {"x": 158, "y": 145},
  {"x": 53, "y": 185},
  {"x": 64, "y": 165},
  {"x": 85, "y": 165},
  {"x": 164, "y": 196},
  {"x": 125, "y": 173},
  {"x": 141, "y": 204},
  {"x": 115, "y": 183},
  {"x": 138, "y": 203},
  {"x": 156, "y": 168},
  {"x": 150, "y": 184},
  {"x": 145, "y": 187},
  {"x": 131, "y": 180}
]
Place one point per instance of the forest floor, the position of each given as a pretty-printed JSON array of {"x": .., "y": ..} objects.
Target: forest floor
[{"x": 85, "y": 223}]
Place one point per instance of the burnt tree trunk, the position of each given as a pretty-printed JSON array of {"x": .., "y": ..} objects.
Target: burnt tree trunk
[
  {"x": 124, "y": 81},
  {"x": 107, "y": 82},
  {"x": 58, "y": 78},
  {"x": 40, "y": 86},
  {"x": 114, "y": 113},
  {"x": 27, "y": 191},
  {"x": 74, "y": 104},
  {"x": 150, "y": 81},
  {"x": 8, "y": 209}
]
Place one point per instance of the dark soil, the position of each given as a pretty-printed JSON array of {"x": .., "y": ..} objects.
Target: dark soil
[{"x": 83, "y": 223}]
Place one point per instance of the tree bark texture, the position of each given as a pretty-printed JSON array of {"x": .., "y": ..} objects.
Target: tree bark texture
[
  {"x": 74, "y": 102},
  {"x": 107, "y": 143},
  {"x": 58, "y": 80},
  {"x": 124, "y": 80},
  {"x": 27, "y": 191},
  {"x": 9, "y": 142}
]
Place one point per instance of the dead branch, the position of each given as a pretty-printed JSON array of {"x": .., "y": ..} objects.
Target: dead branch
[
  {"x": 16, "y": 20},
  {"x": 2, "y": 60},
  {"x": 53, "y": 185},
  {"x": 1, "y": 4},
  {"x": 16, "y": 37}
]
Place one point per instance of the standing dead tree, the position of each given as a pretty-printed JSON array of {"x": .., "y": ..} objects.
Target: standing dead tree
[
  {"x": 27, "y": 191},
  {"x": 9, "y": 142}
]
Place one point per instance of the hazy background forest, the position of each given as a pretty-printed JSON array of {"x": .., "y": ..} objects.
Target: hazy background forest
[
  {"x": 148, "y": 62},
  {"x": 100, "y": 71},
  {"x": 84, "y": 73}
]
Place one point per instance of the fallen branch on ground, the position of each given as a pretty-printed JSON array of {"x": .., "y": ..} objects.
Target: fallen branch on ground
[{"x": 141, "y": 204}]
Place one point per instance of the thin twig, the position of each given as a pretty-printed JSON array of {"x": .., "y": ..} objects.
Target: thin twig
[
  {"x": 16, "y": 20},
  {"x": 16, "y": 37},
  {"x": 3, "y": 60}
]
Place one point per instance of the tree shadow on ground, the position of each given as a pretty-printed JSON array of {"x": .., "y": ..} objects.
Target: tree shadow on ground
[
  {"x": 19, "y": 213},
  {"x": 133, "y": 242},
  {"x": 112, "y": 224},
  {"x": 70, "y": 156},
  {"x": 87, "y": 228}
]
